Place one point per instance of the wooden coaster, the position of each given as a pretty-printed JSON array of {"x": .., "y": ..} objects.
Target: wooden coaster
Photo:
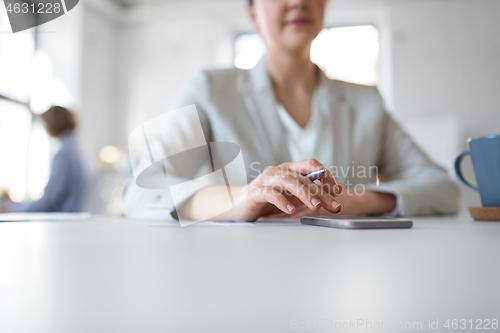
[{"x": 485, "y": 213}]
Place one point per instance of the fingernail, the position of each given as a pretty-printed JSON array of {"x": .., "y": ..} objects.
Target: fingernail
[
  {"x": 290, "y": 207},
  {"x": 336, "y": 205},
  {"x": 315, "y": 202}
]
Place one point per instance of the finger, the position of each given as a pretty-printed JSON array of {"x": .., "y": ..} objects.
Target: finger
[
  {"x": 292, "y": 184},
  {"x": 299, "y": 185},
  {"x": 327, "y": 200},
  {"x": 336, "y": 190},
  {"x": 307, "y": 166},
  {"x": 277, "y": 199}
]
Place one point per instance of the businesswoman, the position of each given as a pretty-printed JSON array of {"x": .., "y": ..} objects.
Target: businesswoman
[
  {"x": 69, "y": 176},
  {"x": 289, "y": 119}
]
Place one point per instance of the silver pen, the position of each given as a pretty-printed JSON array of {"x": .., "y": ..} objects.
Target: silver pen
[{"x": 316, "y": 175}]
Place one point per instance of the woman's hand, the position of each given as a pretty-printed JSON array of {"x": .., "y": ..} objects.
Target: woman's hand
[
  {"x": 364, "y": 203},
  {"x": 285, "y": 188}
]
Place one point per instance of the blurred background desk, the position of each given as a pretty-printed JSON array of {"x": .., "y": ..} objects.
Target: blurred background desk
[{"x": 114, "y": 275}]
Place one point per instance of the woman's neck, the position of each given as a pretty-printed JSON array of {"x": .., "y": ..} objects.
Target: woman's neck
[
  {"x": 294, "y": 78},
  {"x": 291, "y": 71}
]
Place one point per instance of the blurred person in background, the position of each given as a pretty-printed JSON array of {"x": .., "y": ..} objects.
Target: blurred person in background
[
  {"x": 289, "y": 120},
  {"x": 69, "y": 174}
]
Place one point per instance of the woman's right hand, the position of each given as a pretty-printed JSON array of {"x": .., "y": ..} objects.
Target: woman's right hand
[{"x": 285, "y": 188}]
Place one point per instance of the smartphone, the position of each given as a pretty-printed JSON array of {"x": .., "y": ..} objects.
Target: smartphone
[{"x": 356, "y": 222}]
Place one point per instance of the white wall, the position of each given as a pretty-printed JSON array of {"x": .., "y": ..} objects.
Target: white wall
[
  {"x": 62, "y": 40},
  {"x": 163, "y": 45},
  {"x": 102, "y": 121},
  {"x": 447, "y": 60}
]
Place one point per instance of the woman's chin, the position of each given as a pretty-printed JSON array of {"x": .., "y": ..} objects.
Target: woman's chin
[
  {"x": 298, "y": 40},
  {"x": 298, "y": 45}
]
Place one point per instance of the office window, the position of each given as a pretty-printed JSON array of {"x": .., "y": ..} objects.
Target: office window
[
  {"x": 249, "y": 49},
  {"x": 24, "y": 144},
  {"x": 16, "y": 60},
  {"x": 345, "y": 53},
  {"x": 15, "y": 123}
]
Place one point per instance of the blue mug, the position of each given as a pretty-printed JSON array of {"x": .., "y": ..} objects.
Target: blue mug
[{"x": 485, "y": 154}]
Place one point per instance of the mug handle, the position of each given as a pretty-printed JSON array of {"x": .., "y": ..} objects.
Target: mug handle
[{"x": 458, "y": 162}]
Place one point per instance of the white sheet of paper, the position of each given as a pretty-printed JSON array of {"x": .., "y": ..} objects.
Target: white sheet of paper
[
  {"x": 19, "y": 217},
  {"x": 282, "y": 221},
  {"x": 262, "y": 221},
  {"x": 227, "y": 224}
]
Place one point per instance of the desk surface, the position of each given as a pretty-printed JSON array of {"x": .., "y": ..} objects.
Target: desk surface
[{"x": 105, "y": 275}]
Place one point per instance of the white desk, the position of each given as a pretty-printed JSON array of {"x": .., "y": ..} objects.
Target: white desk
[{"x": 129, "y": 276}]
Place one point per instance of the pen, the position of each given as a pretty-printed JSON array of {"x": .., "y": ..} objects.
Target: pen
[{"x": 316, "y": 175}]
